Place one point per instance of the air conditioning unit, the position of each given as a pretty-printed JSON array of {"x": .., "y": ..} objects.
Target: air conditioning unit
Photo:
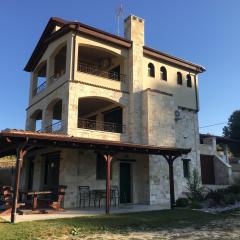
[{"x": 178, "y": 115}]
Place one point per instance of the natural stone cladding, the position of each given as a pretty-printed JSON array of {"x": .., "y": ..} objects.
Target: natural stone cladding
[{"x": 148, "y": 106}]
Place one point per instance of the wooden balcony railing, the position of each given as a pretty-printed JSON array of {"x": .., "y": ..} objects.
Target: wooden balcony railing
[
  {"x": 39, "y": 89},
  {"x": 101, "y": 126},
  {"x": 94, "y": 70}
]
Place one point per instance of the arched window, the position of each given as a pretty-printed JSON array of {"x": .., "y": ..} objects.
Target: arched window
[
  {"x": 151, "y": 70},
  {"x": 60, "y": 62},
  {"x": 55, "y": 116},
  {"x": 179, "y": 78},
  {"x": 36, "y": 121},
  {"x": 163, "y": 72},
  {"x": 40, "y": 75},
  {"x": 189, "y": 81}
]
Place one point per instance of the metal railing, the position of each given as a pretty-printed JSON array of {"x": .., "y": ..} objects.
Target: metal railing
[
  {"x": 94, "y": 70},
  {"x": 39, "y": 89},
  {"x": 55, "y": 127},
  {"x": 101, "y": 126},
  {"x": 55, "y": 76}
]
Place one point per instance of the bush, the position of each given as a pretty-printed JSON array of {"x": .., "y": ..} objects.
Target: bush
[
  {"x": 182, "y": 202},
  {"x": 196, "y": 205},
  {"x": 238, "y": 197},
  {"x": 229, "y": 199},
  {"x": 225, "y": 196},
  {"x": 216, "y": 196},
  {"x": 235, "y": 188},
  {"x": 194, "y": 187}
]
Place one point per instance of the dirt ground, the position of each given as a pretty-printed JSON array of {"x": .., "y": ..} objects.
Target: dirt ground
[{"x": 221, "y": 230}]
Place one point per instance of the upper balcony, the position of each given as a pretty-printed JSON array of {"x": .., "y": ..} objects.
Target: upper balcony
[
  {"x": 49, "y": 71},
  {"x": 100, "y": 67},
  {"x": 97, "y": 118}
]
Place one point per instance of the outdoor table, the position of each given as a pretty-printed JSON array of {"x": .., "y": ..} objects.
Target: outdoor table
[{"x": 35, "y": 195}]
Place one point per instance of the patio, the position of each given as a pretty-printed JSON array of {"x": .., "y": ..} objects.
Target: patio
[
  {"x": 23, "y": 142},
  {"x": 72, "y": 213}
]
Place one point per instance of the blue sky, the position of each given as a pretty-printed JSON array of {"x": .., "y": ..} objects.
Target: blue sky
[{"x": 206, "y": 32}]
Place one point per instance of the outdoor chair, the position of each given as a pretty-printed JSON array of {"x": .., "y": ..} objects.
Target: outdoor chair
[
  {"x": 85, "y": 196},
  {"x": 5, "y": 200},
  {"x": 114, "y": 195}
]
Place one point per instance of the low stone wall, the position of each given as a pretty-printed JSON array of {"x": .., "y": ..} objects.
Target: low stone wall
[{"x": 223, "y": 172}]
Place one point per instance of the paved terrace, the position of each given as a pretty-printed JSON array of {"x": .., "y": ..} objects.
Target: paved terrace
[{"x": 72, "y": 213}]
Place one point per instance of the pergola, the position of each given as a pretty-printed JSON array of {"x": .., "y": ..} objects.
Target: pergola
[{"x": 19, "y": 143}]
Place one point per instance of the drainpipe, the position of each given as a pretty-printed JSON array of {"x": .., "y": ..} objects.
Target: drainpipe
[
  {"x": 73, "y": 55},
  {"x": 196, "y": 92}
]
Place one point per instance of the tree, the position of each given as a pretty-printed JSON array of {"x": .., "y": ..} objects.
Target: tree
[{"x": 232, "y": 130}]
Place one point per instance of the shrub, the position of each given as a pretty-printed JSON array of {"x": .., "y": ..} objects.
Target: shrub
[
  {"x": 194, "y": 187},
  {"x": 238, "y": 197},
  {"x": 235, "y": 188},
  {"x": 196, "y": 205},
  {"x": 182, "y": 202},
  {"x": 216, "y": 196},
  {"x": 225, "y": 196},
  {"x": 229, "y": 199}
]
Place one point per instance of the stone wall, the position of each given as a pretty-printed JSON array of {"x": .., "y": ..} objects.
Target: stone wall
[
  {"x": 223, "y": 172},
  {"x": 163, "y": 130},
  {"x": 78, "y": 168},
  {"x": 78, "y": 90},
  {"x": 187, "y": 136}
]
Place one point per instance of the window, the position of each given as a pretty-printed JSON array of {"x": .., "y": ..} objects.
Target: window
[
  {"x": 101, "y": 167},
  {"x": 189, "y": 81},
  {"x": 60, "y": 62},
  {"x": 179, "y": 78},
  {"x": 151, "y": 70},
  {"x": 186, "y": 169},
  {"x": 163, "y": 72}
]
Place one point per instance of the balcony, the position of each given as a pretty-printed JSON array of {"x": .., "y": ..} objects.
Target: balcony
[
  {"x": 94, "y": 70},
  {"x": 101, "y": 126},
  {"x": 56, "y": 76},
  {"x": 56, "y": 127},
  {"x": 39, "y": 89}
]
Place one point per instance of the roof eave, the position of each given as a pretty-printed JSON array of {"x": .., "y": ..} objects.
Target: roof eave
[{"x": 172, "y": 59}]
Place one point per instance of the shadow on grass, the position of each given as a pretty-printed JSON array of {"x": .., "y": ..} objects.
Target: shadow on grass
[{"x": 117, "y": 223}]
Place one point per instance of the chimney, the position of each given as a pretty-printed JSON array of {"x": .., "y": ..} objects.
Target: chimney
[{"x": 134, "y": 29}]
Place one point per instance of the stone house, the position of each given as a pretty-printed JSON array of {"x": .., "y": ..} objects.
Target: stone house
[
  {"x": 90, "y": 84},
  {"x": 218, "y": 168}
]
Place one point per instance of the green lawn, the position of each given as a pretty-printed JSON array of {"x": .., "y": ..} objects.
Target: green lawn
[{"x": 119, "y": 223}]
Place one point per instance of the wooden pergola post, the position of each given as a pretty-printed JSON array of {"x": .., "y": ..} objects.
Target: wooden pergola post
[
  {"x": 108, "y": 157},
  {"x": 20, "y": 155},
  {"x": 170, "y": 159}
]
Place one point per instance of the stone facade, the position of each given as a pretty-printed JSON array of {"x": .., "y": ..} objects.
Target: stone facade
[
  {"x": 148, "y": 112},
  {"x": 221, "y": 167}
]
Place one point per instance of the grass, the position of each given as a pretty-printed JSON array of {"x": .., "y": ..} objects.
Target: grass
[{"x": 121, "y": 223}]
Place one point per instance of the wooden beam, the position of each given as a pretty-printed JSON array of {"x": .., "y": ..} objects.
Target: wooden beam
[
  {"x": 20, "y": 155},
  {"x": 108, "y": 157},
  {"x": 171, "y": 182},
  {"x": 170, "y": 159}
]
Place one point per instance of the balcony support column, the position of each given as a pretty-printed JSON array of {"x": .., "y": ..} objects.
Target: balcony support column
[
  {"x": 170, "y": 159},
  {"x": 108, "y": 157}
]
